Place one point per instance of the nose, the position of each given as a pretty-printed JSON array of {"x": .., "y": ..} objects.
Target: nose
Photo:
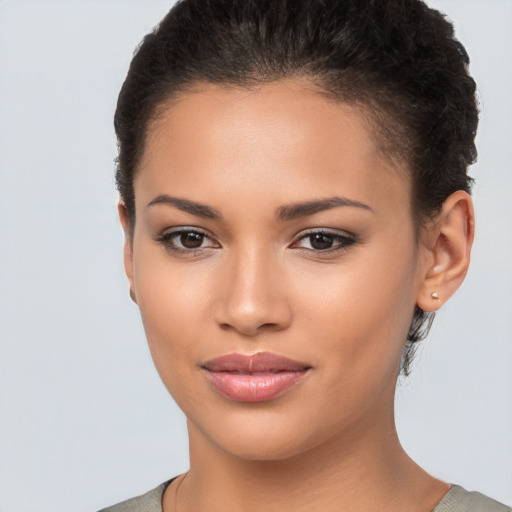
[{"x": 253, "y": 298}]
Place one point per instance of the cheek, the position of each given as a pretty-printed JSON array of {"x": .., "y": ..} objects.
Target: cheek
[
  {"x": 361, "y": 310},
  {"x": 173, "y": 300}
]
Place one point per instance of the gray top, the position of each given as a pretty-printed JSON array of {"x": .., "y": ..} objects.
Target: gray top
[
  {"x": 456, "y": 499},
  {"x": 149, "y": 502}
]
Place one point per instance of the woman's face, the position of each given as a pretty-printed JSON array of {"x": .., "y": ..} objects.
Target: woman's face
[{"x": 268, "y": 221}]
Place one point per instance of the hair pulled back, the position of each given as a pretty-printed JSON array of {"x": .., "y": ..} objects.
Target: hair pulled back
[{"x": 397, "y": 59}]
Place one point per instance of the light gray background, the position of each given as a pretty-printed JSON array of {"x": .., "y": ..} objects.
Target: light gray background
[{"x": 84, "y": 419}]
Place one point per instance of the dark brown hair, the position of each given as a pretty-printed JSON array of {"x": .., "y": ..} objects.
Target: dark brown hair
[{"x": 398, "y": 59}]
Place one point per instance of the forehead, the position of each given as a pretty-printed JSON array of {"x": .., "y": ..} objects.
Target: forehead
[{"x": 280, "y": 140}]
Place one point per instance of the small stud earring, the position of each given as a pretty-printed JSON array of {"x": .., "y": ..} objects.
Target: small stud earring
[{"x": 435, "y": 296}]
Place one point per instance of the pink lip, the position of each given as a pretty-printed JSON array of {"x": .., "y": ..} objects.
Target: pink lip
[{"x": 254, "y": 378}]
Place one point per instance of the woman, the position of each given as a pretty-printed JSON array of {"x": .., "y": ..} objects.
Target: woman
[{"x": 295, "y": 202}]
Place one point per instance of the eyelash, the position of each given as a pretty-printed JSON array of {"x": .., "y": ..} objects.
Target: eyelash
[{"x": 341, "y": 242}]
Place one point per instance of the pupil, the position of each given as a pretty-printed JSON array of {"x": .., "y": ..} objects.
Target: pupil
[
  {"x": 191, "y": 240},
  {"x": 321, "y": 241}
]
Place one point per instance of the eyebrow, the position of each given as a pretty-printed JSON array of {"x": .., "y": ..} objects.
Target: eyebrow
[
  {"x": 306, "y": 208},
  {"x": 185, "y": 205},
  {"x": 284, "y": 213}
]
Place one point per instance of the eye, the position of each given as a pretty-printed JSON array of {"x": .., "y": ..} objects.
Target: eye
[
  {"x": 186, "y": 240},
  {"x": 190, "y": 240},
  {"x": 324, "y": 241}
]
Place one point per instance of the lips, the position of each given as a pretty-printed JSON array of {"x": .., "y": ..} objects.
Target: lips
[{"x": 254, "y": 378}]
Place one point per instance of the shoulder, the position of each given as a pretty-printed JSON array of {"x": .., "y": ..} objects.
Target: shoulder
[
  {"x": 148, "y": 502},
  {"x": 459, "y": 500}
]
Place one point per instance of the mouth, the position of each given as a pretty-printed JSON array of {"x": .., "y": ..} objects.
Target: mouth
[{"x": 254, "y": 378}]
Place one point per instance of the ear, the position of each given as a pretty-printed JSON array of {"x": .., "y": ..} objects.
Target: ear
[
  {"x": 128, "y": 247},
  {"x": 448, "y": 242}
]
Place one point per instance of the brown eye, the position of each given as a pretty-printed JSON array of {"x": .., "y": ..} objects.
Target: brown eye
[
  {"x": 321, "y": 241},
  {"x": 191, "y": 240},
  {"x": 329, "y": 242},
  {"x": 186, "y": 241}
]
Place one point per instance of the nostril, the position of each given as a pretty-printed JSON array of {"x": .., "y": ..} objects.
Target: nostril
[{"x": 270, "y": 325}]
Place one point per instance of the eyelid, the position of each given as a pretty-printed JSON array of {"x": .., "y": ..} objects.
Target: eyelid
[
  {"x": 184, "y": 229},
  {"x": 330, "y": 231}
]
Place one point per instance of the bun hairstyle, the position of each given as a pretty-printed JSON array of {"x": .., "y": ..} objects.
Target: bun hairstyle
[{"x": 396, "y": 60}]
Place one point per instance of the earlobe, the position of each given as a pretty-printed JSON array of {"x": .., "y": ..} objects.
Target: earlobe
[
  {"x": 449, "y": 240},
  {"x": 128, "y": 247}
]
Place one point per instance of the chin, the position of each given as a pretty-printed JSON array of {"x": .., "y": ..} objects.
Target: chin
[
  {"x": 261, "y": 436},
  {"x": 263, "y": 449}
]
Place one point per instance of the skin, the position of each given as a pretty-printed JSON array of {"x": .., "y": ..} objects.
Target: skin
[{"x": 257, "y": 283}]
